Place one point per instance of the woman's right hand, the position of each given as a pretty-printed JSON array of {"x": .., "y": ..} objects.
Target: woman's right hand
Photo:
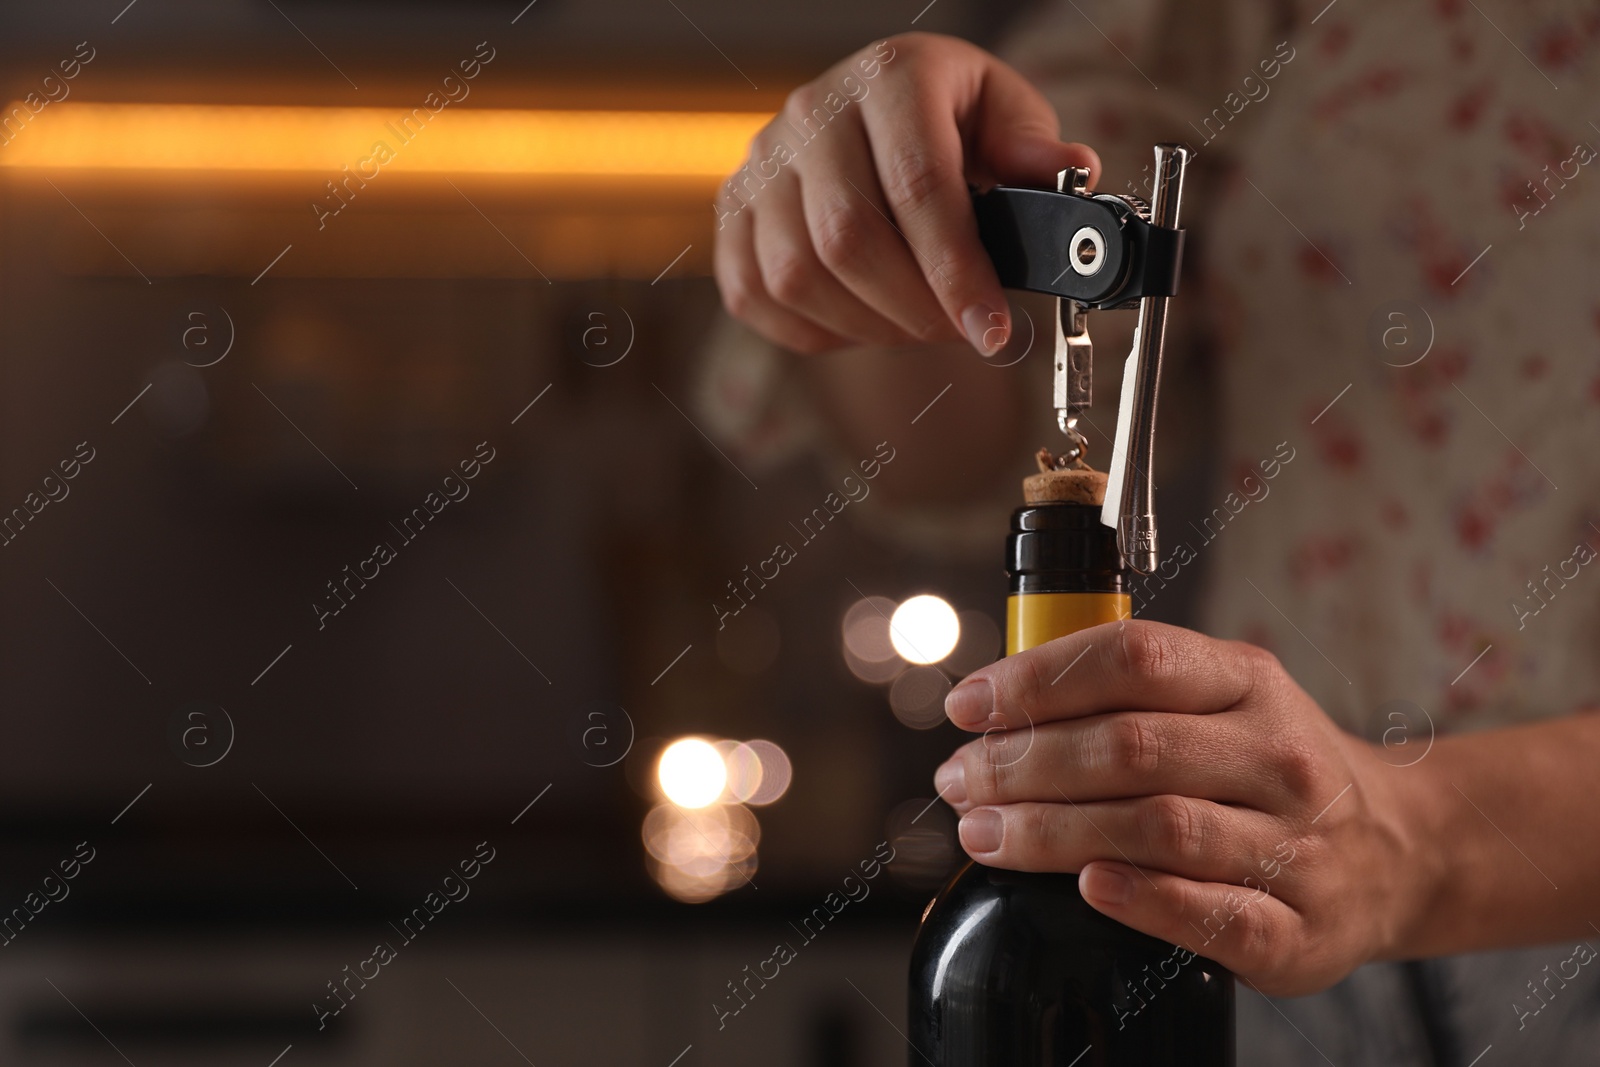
[{"x": 852, "y": 223}]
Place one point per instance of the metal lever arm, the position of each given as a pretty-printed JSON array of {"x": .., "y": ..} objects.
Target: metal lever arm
[{"x": 1131, "y": 488}]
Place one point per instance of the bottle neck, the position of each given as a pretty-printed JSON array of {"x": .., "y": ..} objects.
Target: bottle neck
[
  {"x": 1065, "y": 572},
  {"x": 1035, "y": 618}
]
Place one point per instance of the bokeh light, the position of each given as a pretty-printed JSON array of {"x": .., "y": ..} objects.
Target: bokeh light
[
  {"x": 702, "y": 842},
  {"x": 691, "y": 772},
  {"x": 924, "y": 629},
  {"x": 701, "y": 839},
  {"x": 880, "y": 673},
  {"x": 917, "y": 697},
  {"x": 866, "y": 629},
  {"x": 868, "y": 652},
  {"x": 692, "y": 886},
  {"x": 776, "y": 772},
  {"x": 744, "y": 769}
]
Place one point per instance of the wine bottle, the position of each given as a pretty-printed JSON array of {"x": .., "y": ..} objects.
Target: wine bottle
[{"x": 1014, "y": 969}]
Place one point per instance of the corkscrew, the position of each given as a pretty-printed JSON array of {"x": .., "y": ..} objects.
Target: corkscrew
[{"x": 1098, "y": 252}]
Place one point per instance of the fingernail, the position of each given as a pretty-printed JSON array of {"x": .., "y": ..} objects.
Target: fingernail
[
  {"x": 951, "y": 781},
  {"x": 986, "y": 328},
  {"x": 970, "y": 703},
  {"x": 1107, "y": 885},
  {"x": 980, "y": 830}
]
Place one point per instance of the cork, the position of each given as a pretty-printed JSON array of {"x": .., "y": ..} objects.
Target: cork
[
  {"x": 1073, "y": 485},
  {"x": 1065, "y": 487}
]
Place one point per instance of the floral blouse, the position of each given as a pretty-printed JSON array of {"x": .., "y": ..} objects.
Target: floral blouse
[
  {"x": 1400, "y": 250},
  {"x": 1398, "y": 226}
]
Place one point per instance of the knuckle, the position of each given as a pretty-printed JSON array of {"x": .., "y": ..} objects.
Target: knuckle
[
  {"x": 1259, "y": 667},
  {"x": 1172, "y": 827},
  {"x": 760, "y": 146},
  {"x": 1298, "y": 766},
  {"x": 1238, "y": 923},
  {"x": 913, "y": 177},
  {"x": 1259, "y": 658},
  {"x": 1237, "y": 912},
  {"x": 994, "y": 767},
  {"x": 1024, "y": 676},
  {"x": 1036, "y": 834},
  {"x": 1023, "y": 682},
  {"x": 1143, "y": 651},
  {"x": 1132, "y": 742},
  {"x": 1254, "y": 938},
  {"x": 801, "y": 101},
  {"x": 738, "y": 294},
  {"x": 840, "y": 232},
  {"x": 754, "y": 173},
  {"x": 909, "y": 42},
  {"x": 983, "y": 776},
  {"x": 897, "y": 50},
  {"x": 735, "y": 297},
  {"x": 787, "y": 275}
]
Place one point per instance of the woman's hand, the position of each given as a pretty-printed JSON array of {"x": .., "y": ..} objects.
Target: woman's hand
[
  {"x": 852, "y": 223},
  {"x": 1204, "y": 797}
]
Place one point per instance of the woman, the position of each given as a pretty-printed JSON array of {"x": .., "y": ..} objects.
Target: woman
[{"x": 1393, "y": 247}]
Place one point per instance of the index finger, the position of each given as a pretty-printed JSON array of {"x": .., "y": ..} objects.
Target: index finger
[
  {"x": 1132, "y": 665},
  {"x": 923, "y": 166}
]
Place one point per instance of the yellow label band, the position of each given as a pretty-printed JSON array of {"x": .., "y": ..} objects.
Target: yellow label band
[{"x": 1034, "y": 618}]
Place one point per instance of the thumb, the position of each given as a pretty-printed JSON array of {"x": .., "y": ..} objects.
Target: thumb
[
  {"x": 1245, "y": 929},
  {"x": 1018, "y": 136},
  {"x": 1033, "y": 161}
]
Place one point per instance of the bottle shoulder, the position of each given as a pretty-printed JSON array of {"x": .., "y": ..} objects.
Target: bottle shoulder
[
  {"x": 1016, "y": 968},
  {"x": 1011, "y": 910}
]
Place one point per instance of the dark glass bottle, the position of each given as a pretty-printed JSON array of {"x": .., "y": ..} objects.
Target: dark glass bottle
[{"x": 1014, "y": 969}]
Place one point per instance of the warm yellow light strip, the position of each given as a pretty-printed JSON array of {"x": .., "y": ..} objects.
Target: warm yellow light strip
[{"x": 199, "y": 137}]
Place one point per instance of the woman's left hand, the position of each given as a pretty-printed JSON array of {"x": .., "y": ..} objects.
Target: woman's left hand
[{"x": 1204, "y": 797}]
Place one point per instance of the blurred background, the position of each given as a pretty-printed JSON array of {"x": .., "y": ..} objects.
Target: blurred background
[{"x": 231, "y": 371}]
